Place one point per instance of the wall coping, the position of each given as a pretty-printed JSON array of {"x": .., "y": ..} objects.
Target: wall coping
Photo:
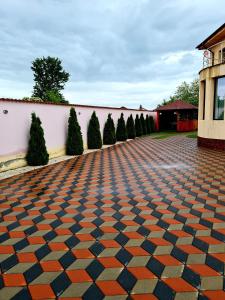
[{"x": 69, "y": 105}]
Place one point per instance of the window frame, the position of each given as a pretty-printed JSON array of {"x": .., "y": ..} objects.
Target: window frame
[
  {"x": 214, "y": 100},
  {"x": 223, "y": 56},
  {"x": 203, "y": 98}
]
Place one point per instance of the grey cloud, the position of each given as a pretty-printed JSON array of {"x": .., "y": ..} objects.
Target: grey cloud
[{"x": 106, "y": 45}]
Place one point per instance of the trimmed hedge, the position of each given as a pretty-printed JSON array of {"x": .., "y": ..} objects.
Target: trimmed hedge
[
  {"x": 37, "y": 154},
  {"x": 94, "y": 139},
  {"x": 74, "y": 143},
  {"x": 121, "y": 132},
  {"x": 138, "y": 126},
  {"x": 109, "y": 135},
  {"x": 148, "y": 124},
  {"x": 131, "y": 132},
  {"x": 143, "y": 124},
  {"x": 152, "y": 122}
]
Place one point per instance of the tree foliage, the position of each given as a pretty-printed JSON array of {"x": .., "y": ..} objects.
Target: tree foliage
[
  {"x": 109, "y": 135},
  {"x": 94, "y": 139},
  {"x": 55, "y": 97},
  {"x": 49, "y": 78},
  {"x": 37, "y": 154},
  {"x": 138, "y": 126},
  {"x": 188, "y": 92},
  {"x": 131, "y": 133},
  {"x": 121, "y": 131},
  {"x": 74, "y": 143},
  {"x": 143, "y": 124}
]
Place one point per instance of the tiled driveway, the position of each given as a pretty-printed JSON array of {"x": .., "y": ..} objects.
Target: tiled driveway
[{"x": 142, "y": 220}]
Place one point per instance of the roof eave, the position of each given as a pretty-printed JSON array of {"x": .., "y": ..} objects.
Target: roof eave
[
  {"x": 202, "y": 46},
  {"x": 166, "y": 109}
]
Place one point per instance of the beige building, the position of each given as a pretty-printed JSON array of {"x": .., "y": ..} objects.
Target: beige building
[{"x": 211, "y": 124}]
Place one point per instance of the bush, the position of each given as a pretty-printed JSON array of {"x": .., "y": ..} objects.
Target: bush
[
  {"x": 94, "y": 139},
  {"x": 113, "y": 130},
  {"x": 36, "y": 99},
  {"x": 138, "y": 126},
  {"x": 109, "y": 135},
  {"x": 148, "y": 124},
  {"x": 121, "y": 132},
  {"x": 37, "y": 154},
  {"x": 143, "y": 124},
  {"x": 131, "y": 133},
  {"x": 74, "y": 143},
  {"x": 152, "y": 124}
]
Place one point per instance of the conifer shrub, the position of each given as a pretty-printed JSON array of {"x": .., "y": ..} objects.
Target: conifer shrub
[
  {"x": 121, "y": 132},
  {"x": 109, "y": 135},
  {"x": 131, "y": 133},
  {"x": 74, "y": 143},
  {"x": 152, "y": 122},
  {"x": 113, "y": 130},
  {"x": 138, "y": 126},
  {"x": 94, "y": 139},
  {"x": 37, "y": 154},
  {"x": 148, "y": 125},
  {"x": 143, "y": 124}
]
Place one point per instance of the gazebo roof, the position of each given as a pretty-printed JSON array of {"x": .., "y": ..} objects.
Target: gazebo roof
[{"x": 177, "y": 105}]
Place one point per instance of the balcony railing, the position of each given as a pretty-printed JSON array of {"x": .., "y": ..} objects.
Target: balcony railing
[{"x": 209, "y": 60}]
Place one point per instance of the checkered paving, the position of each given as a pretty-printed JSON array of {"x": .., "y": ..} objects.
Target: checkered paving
[{"x": 140, "y": 220}]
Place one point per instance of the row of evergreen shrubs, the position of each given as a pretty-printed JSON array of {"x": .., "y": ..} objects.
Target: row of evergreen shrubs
[{"x": 37, "y": 152}]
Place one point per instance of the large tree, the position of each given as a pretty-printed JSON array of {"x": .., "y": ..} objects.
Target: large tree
[
  {"x": 188, "y": 92},
  {"x": 49, "y": 78}
]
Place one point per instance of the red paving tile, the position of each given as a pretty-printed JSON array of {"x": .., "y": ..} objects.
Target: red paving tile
[
  {"x": 14, "y": 280},
  {"x": 144, "y": 219},
  {"x": 78, "y": 276},
  {"x": 110, "y": 262},
  {"x": 42, "y": 291},
  {"x": 141, "y": 273},
  {"x": 179, "y": 285},
  {"x": 110, "y": 288},
  {"x": 51, "y": 266}
]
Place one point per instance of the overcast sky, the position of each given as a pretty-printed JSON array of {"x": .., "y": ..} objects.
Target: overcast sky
[{"x": 118, "y": 52}]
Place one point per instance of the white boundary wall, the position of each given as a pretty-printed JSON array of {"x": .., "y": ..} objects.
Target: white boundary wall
[{"x": 15, "y": 120}]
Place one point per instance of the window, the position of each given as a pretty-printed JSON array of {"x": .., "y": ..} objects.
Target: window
[
  {"x": 203, "y": 99},
  {"x": 219, "y": 98},
  {"x": 222, "y": 56}
]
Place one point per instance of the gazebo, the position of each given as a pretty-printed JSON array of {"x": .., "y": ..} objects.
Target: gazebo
[{"x": 178, "y": 115}]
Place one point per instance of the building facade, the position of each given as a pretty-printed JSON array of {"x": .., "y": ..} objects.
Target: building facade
[{"x": 211, "y": 122}]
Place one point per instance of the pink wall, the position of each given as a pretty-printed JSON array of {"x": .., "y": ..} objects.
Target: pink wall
[{"x": 15, "y": 125}]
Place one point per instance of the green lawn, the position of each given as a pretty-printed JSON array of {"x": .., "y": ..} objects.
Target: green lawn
[
  {"x": 166, "y": 134},
  {"x": 192, "y": 135}
]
